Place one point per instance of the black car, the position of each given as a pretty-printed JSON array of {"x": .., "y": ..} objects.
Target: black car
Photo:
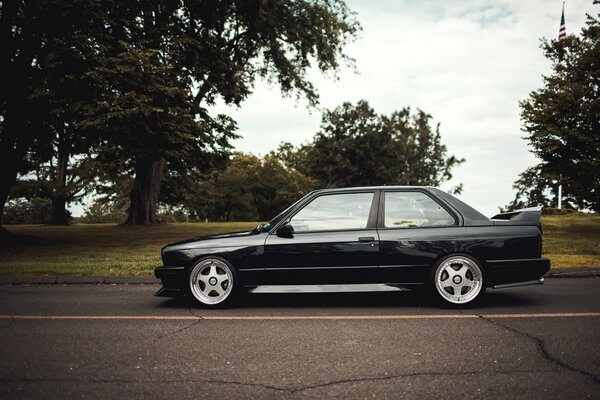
[{"x": 400, "y": 236}]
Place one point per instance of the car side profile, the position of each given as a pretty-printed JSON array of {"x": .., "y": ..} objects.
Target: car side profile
[{"x": 402, "y": 236}]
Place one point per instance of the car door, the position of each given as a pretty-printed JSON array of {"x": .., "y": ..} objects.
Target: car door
[
  {"x": 333, "y": 239},
  {"x": 414, "y": 229}
]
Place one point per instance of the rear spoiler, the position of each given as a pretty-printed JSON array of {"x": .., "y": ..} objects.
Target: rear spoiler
[{"x": 526, "y": 214}]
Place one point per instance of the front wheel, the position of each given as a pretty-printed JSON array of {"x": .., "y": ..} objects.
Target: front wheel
[
  {"x": 212, "y": 282},
  {"x": 458, "y": 280}
]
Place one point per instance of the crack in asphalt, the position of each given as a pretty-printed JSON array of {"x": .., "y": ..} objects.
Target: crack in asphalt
[
  {"x": 271, "y": 387},
  {"x": 542, "y": 349},
  {"x": 372, "y": 379},
  {"x": 175, "y": 332}
]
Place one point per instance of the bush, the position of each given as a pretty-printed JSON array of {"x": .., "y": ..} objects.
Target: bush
[
  {"x": 557, "y": 211},
  {"x": 27, "y": 211},
  {"x": 103, "y": 213}
]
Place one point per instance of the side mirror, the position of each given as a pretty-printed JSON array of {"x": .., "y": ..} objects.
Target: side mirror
[{"x": 285, "y": 231}]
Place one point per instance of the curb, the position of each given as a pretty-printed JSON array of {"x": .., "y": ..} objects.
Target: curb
[
  {"x": 78, "y": 280},
  {"x": 573, "y": 273},
  {"x": 151, "y": 280}
]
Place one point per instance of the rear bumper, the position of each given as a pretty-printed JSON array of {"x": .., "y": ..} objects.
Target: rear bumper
[
  {"x": 505, "y": 273},
  {"x": 173, "y": 281}
]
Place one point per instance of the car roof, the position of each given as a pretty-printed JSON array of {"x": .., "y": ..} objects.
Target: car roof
[{"x": 361, "y": 188}]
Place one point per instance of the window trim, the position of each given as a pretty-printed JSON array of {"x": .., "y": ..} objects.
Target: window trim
[
  {"x": 381, "y": 216},
  {"x": 371, "y": 219}
]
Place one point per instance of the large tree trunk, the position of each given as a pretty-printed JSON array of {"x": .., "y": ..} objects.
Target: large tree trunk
[
  {"x": 12, "y": 152},
  {"x": 144, "y": 193},
  {"x": 5, "y": 185},
  {"x": 59, "y": 198},
  {"x": 8, "y": 177}
]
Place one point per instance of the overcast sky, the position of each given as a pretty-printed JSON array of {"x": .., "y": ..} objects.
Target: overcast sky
[{"x": 467, "y": 63}]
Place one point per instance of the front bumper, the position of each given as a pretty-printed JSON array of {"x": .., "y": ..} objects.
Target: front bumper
[
  {"x": 502, "y": 273},
  {"x": 173, "y": 281}
]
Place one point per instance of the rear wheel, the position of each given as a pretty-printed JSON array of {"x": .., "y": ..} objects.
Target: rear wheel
[
  {"x": 212, "y": 282},
  {"x": 458, "y": 280}
]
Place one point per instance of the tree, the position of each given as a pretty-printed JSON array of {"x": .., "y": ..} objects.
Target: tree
[
  {"x": 50, "y": 181},
  {"x": 44, "y": 45},
  {"x": 248, "y": 189},
  {"x": 533, "y": 190},
  {"x": 562, "y": 118},
  {"x": 173, "y": 60},
  {"x": 34, "y": 210},
  {"x": 356, "y": 147},
  {"x": 154, "y": 68}
]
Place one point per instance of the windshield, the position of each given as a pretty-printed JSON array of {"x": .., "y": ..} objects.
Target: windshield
[{"x": 266, "y": 227}]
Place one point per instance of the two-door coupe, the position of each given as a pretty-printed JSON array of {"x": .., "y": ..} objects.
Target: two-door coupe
[{"x": 396, "y": 235}]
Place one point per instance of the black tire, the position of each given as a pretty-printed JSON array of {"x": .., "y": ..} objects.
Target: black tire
[
  {"x": 213, "y": 283},
  {"x": 457, "y": 281}
]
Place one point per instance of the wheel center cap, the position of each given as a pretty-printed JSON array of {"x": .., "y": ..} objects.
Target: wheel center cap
[
  {"x": 457, "y": 279},
  {"x": 212, "y": 281}
]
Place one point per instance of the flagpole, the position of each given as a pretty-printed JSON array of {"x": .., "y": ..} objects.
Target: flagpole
[
  {"x": 562, "y": 33},
  {"x": 560, "y": 192}
]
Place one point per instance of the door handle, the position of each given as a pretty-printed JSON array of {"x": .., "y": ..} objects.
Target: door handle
[{"x": 366, "y": 239}]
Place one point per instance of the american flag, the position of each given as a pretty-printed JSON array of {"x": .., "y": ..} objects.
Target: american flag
[{"x": 562, "y": 31}]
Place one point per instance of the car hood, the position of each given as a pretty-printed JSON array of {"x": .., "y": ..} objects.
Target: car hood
[{"x": 211, "y": 240}]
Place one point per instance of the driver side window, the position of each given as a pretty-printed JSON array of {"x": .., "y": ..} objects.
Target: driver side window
[{"x": 334, "y": 212}]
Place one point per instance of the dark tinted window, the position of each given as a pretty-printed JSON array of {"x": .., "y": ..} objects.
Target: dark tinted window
[
  {"x": 414, "y": 209},
  {"x": 334, "y": 212}
]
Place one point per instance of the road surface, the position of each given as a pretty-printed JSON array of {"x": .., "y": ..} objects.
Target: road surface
[{"x": 118, "y": 341}]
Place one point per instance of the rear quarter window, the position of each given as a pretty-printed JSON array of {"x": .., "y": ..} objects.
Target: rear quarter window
[{"x": 413, "y": 210}]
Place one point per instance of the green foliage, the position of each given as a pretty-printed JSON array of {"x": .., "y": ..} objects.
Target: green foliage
[
  {"x": 46, "y": 48},
  {"x": 35, "y": 210},
  {"x": 534, "y": 189},
  {"x": 103, "y": 212},
  {"x": 562, "y": 121},
  {"x": 168, "y": 62},
  {"x": 130, "y": 84},
  {"x": 557, "y": 211},
  {"x": 358, "y": 147},
  {"x": 248, "y": 189}
]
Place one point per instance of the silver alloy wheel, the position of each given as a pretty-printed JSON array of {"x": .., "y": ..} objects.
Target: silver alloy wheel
[
  {"x": 211, "y": 281},
  {"x": 458, "y": 280}
]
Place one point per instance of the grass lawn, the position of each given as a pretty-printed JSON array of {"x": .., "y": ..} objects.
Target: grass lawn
[
  {"x": 105, "y": 249},
  {"x": 572, "y": 241},
  {"x": 98, "y": 249}
]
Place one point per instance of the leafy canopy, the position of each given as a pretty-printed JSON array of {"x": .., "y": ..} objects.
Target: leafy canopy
[
  {"x": 358, "y": 147},
  {"x": 562, "y": 120}
]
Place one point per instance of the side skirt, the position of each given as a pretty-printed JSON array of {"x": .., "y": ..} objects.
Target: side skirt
[
  {"x": 347, "y": 288},
  {"x": 517, "y": 284}
]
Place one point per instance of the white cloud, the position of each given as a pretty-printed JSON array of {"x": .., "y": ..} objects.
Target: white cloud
[{"x": 468, "y": 63}]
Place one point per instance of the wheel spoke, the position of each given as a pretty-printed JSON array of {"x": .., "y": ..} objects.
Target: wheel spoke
[
  {"x": 462, "y": 271},
  {"x": 203, "y": 279},
  {"x": 448, "y": 286},
  {"x": 222, "y": 279},
  {"x": 207, "y": 290},
  {"x": 219, "y": 290}
]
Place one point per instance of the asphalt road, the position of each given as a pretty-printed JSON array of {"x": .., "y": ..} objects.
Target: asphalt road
[{"x": 103, "y": 341}]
